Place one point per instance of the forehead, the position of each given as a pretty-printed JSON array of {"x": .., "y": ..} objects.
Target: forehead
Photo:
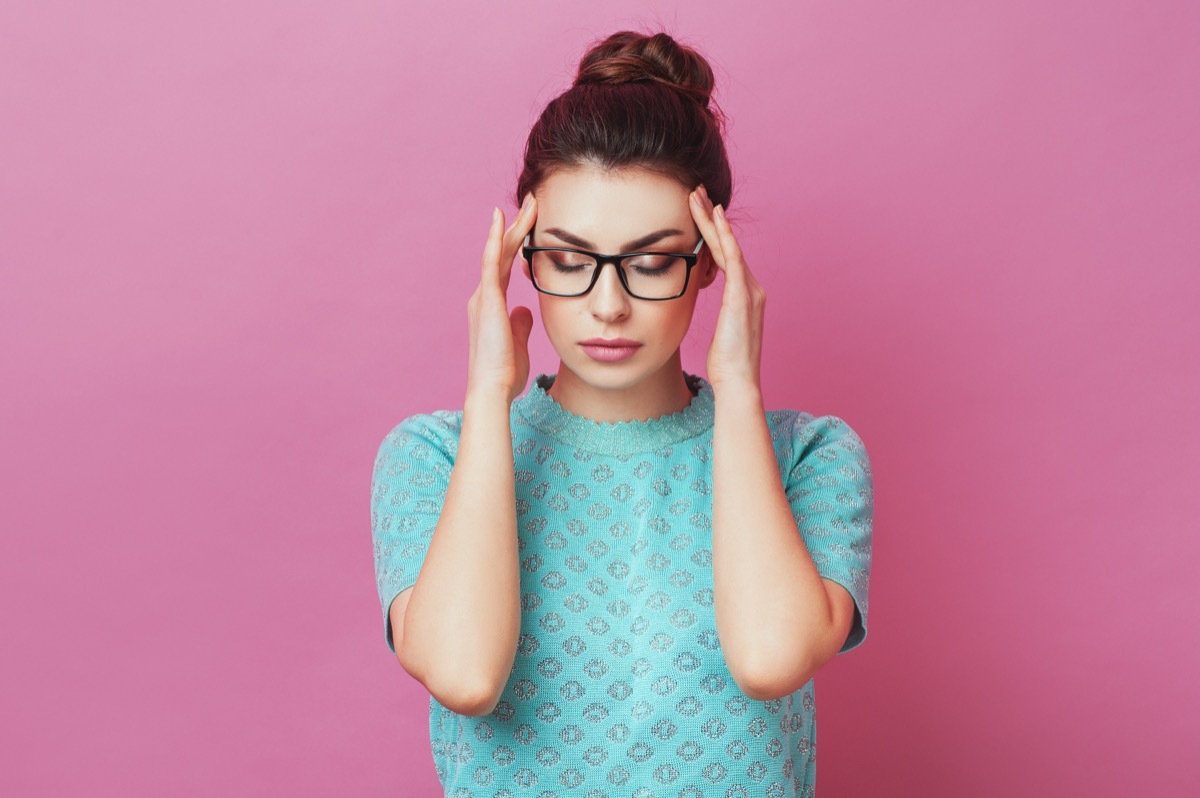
[{"x": 614, "y": 206}]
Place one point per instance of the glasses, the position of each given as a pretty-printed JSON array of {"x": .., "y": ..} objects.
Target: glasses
[{"x": 558, "y": 271}]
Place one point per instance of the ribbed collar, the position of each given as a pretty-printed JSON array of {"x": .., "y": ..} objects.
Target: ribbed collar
[{"x": 616, "y": 437}]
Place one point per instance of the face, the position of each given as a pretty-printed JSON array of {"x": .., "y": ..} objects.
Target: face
[{"x": 632, "y": 210}]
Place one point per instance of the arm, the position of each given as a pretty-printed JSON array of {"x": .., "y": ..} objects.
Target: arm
[
  {"x": 456, "y": 628},
  {"x": 461, "y": 622},
  {"x": 778, "y": 620}
]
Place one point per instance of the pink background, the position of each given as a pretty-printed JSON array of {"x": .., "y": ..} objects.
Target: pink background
[{"x": 237, "y": 240}]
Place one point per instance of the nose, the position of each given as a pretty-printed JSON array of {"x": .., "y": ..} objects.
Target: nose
[{"x": 607, "y": 300}]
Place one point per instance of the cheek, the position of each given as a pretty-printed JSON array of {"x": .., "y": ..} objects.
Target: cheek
[
  {"x": 675, "y": 320},
  {"x": 555, "y": 318}
]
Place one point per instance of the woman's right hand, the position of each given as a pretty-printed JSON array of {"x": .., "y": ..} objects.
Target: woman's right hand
[{"x": 499, "y": 341}]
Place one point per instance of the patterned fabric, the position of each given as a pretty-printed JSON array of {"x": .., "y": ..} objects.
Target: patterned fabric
[{"x": 619, "y": 687}]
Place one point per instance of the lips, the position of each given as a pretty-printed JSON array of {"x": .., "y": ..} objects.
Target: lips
[
  {"x": 620, "y": 342},
  {"x": 609, "y": 350}
]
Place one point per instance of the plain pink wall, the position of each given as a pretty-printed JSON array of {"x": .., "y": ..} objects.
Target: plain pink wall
[{"x": 237, "y": 240}]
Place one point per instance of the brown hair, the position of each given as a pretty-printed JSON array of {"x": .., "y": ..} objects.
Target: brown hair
[{"x": 637, "y": 101}]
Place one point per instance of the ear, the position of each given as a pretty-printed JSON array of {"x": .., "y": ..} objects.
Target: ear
[{"x": 707, "y": 268}]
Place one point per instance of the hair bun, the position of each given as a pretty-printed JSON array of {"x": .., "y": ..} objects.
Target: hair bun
[{"x": 629, "y": 57}]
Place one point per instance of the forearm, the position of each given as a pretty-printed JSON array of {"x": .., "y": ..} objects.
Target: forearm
[
  {"x": 773, "y": 614},
  {"x": 463, "y": 617}
]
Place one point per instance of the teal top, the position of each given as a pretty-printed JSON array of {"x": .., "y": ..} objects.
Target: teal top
[{"x": 619, "y": 687}]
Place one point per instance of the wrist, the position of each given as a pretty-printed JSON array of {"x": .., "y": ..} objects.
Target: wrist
[
  {"x": 489, "y": 399},
  {"x": 739, "y": 392}
]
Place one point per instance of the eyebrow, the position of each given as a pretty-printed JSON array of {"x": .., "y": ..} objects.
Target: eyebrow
[{"x": 632, "y": 246}]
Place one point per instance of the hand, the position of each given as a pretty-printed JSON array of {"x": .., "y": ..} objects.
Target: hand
[
  {"x": 499, "y": 341},
  {"x": 736, "y": 351}
]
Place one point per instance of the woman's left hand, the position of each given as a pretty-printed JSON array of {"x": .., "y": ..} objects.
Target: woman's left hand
[{"x": 736, "y": 351}]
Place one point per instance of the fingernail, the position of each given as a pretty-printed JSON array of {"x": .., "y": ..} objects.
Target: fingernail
[
  {"x": 495, "y": 215},
  {"x": 719, "y": 211},
  {"x": 528, "y": 201},
  {"x": 703, "y": 191}
]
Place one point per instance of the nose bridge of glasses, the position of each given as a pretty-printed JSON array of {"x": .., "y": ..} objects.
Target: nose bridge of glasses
[{"x": 618, "y": 275}]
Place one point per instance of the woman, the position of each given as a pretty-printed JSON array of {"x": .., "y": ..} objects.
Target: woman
[{"x": 621, "y": 582}]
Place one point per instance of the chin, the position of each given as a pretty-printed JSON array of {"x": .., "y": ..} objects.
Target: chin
[{"x": 618, "y": 376}]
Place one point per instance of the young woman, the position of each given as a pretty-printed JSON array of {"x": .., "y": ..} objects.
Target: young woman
[{"x": 622, "y": 582}]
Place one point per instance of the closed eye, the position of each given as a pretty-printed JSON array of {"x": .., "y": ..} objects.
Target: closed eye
[
  {"x": 565, "y": 263},
  {"x": 654, "y": 265}
]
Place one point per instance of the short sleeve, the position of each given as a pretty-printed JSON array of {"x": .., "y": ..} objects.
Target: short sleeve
[
  {"x": 408, "y": 488},
  {"x": 831, "y": 492}
]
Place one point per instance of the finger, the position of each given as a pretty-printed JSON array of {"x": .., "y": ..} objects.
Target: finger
[
  {"x": 491, "y": 250},
  {"x": 735, "y": 264},
  {"x": 514, "y": 237},
  {"x": 708, "y": 228},
  {"x": 522, "y": 323},
  {"x": 519, "y": 218}
]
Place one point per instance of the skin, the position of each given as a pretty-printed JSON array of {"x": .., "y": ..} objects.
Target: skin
[
  {"x": 777, "y": 619},
  {"x": 609, "y": 210}
]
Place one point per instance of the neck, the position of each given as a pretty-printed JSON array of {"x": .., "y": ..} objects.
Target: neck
[{"x": 660, "y": 394}]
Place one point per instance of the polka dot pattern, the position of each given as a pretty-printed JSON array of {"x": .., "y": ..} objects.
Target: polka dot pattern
[{"x": 619, "y": 687}]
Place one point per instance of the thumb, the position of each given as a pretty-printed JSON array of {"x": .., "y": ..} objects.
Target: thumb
[{"x": 522, "y": 325}]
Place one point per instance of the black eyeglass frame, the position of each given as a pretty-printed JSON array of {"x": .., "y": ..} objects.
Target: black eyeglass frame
[{"x": 689, "y": 259}]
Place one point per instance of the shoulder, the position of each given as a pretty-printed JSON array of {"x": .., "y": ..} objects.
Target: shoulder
[
  {"x": 423, "y": 435},
  {"x": 801, "y": 435}
]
